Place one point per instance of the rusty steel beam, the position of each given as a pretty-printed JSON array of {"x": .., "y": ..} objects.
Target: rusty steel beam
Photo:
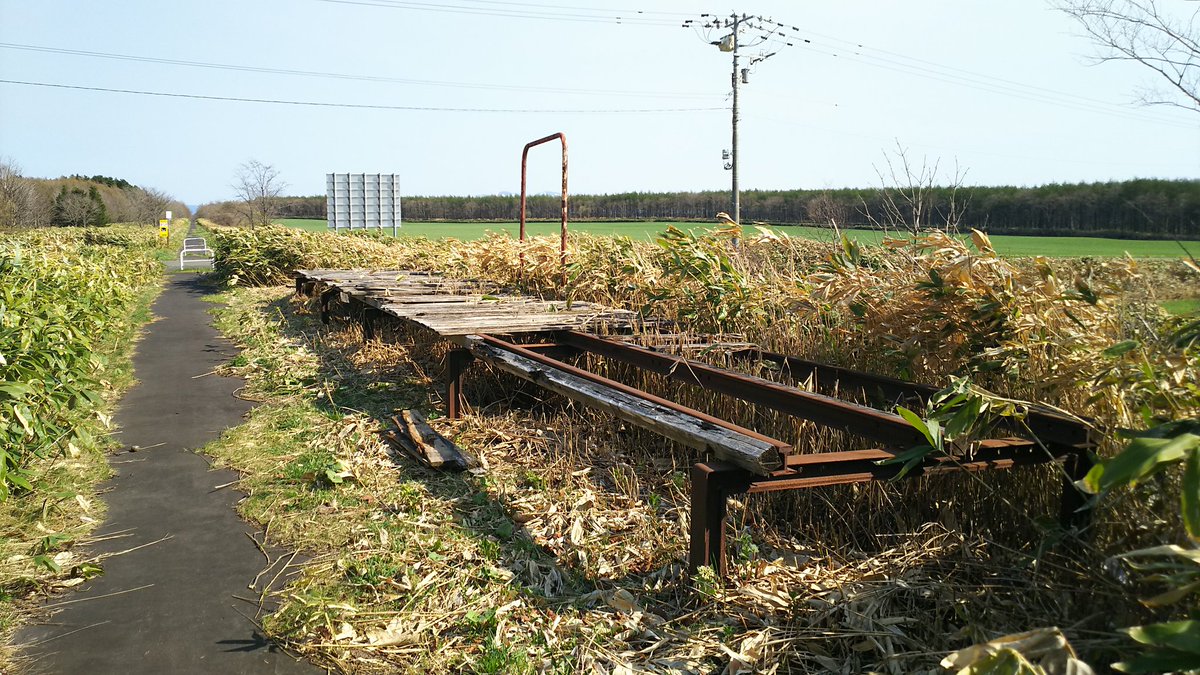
[
  {"x": 858, "y": 466},
  {"x": 890, "y": 388},
  {"x": 327, "y": 297},
  {"x": 714, "y": 482},
  {"x": 457, "y": 362},
  {"x": 876, "y": 425},
  {"x": 780, "y": 446},
  {"x": 562, "y": 246},
  {"x": 712, "y": 485},
  {"x": 1050, "y": 427}
]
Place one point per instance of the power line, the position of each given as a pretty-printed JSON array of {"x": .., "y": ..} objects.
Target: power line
[
  {"x": 757, "y": 35},
  {"x": 588, "y": 9},
  {"x": 361, "y": 106},
  {"x": 511, "y": 14},
  {"x": 779, "y": 35},
  {"x": 346, "y": 76},
  {"x": 949, "y": 74},
  {"x": 958, "y": 149}
]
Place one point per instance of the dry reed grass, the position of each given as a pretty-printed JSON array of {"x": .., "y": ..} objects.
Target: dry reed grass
[{"x": 581, "y": 521}]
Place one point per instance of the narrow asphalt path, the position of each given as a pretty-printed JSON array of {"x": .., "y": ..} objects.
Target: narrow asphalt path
[{"x": 169, "y": 607}]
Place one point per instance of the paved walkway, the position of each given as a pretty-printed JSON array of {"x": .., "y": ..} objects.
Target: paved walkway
[{"x": 168, "y": 607}]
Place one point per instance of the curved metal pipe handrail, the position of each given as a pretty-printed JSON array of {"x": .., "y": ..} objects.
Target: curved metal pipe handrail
[{"x": 562, "y": 247}]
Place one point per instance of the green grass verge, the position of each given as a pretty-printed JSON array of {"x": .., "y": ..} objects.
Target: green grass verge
[
  {"x": 1179, "y": 307},
  {"x": 64, "y": 508},
  {"x": 1014, "y": 246},
  {"x": 389, "y": 540}
]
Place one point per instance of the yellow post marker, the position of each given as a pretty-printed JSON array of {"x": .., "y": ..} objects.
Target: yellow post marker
[{"x": 164, "y": 231}]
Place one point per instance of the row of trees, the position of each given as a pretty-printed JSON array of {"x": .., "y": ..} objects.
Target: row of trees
[
  {"x": 1135, "y": 208},
  {"x": 78, "y": 200}
]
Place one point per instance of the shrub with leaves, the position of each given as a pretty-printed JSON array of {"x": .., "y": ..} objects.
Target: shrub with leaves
[{"x": 59, "y": 295}]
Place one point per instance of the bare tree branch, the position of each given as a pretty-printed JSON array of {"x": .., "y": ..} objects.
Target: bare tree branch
[
  {"x": 1139, "y": 31},
  {"x": 258, "y": 187},
  {"x": 16, "y": 197}
]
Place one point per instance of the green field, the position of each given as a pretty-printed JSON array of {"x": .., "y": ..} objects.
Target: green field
[
  {"x": 637, "y": 230},
  {"x": 1055, "y": 247},
  {"x": 1185, "y": 306}
]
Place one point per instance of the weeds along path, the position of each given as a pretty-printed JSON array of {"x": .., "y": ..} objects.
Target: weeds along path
[{"x": 174, "y": 604}]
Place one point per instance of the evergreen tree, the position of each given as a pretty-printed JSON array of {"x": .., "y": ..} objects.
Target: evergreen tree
[
  {"x": 100, "y": 216},
  {"x": 59, "y": 217}
]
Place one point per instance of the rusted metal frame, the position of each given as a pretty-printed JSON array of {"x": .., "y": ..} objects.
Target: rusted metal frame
[
  {"x": 783, "y": 448},
  {"x": 372, "y": 317},
  {"x": 712, "y": 485},
  {"x": 554, "y": 350},
  {"x": 837, "y": 468},
  {"x": 890, "y": 388},
  {"x": 824, "y": 410},
  {"x": 305, "y": 286},
  {"x": 562, "y": 250},
  {"x": 714, "y": 482},
  {"x": 457, "y": 362},
  {"x": 1050, "y": 427},
  {"x": 327, "y": 296}
]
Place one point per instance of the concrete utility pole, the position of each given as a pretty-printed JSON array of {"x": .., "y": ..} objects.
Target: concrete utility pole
[
  {"x": 735, "y": 22},
  {"x": 765, "y": 34}
]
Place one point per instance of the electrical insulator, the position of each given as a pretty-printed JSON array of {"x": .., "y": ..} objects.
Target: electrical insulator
[{"x": 745, "y": 76}]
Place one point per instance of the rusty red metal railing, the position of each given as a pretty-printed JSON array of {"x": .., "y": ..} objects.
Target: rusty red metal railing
[{"x": 562, "y": 246}]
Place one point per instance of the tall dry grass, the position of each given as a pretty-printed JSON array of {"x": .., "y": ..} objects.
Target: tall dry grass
[{"x": 1084, "y": 336}]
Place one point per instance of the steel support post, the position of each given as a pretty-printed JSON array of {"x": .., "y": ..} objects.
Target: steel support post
[
  {"x": 327, "y": 296},
  {"x": 712, "y": 485},
  {"x": 457, "y": 362},
  {"x": 370, "y": 319}
]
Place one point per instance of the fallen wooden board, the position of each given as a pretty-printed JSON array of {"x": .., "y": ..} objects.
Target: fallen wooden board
[
  {"x": 747, "y": 452},
  {"x": 432, "y": 448}
]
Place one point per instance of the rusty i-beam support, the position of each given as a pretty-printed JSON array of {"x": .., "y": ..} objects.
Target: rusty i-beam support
[
  {"x": 457, "y": 362},
  {"x": 714, "y": 482},
  {"x": 371, "y": 319},
  {"x": 876, "y": 425},
  {"x": 327, "y": 297},
  {"x": 782, "y": 447},
  {"x": 1051, "y": 427},
  {"x": 562, "y": 246}
]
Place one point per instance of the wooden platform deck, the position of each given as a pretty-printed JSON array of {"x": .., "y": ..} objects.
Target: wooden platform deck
[{"x": 458, "y": 307}]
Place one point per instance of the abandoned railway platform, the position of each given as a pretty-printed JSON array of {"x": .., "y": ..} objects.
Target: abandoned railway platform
[{"x": 535, "y": 339}]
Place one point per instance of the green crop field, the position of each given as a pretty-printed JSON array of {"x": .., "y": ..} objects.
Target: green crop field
[
  {"x": 476, "y": 230},
  {"x": 1055, "y": 247}
]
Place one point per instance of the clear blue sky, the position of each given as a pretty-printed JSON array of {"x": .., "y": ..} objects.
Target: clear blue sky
[{"x": 1007, "y": 90}]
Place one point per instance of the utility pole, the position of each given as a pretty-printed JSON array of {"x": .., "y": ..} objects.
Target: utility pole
[
  {"x": 735, "y": 22},
  {"x": 765, "y": 34}
]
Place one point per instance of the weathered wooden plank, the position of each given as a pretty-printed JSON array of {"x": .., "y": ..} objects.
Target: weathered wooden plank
[
  {"x": 749, "y": 453},
  {"x": 454, "y": 307},
  {"x": 470, "y": 312},
  {"x": 479, "y": 308},
  {"x": 438, "y": 451},
  {"x": 384, "y": 302},
  {"x": 504, "y": 327}
]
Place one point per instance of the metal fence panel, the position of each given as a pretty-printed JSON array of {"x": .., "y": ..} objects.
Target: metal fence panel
[{"x": 357, "y": 201}]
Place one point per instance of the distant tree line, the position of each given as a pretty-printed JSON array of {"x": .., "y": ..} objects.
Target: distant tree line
[
  {"x": 78, "y": 201},
  {"x": 1128, "y": 209}
]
